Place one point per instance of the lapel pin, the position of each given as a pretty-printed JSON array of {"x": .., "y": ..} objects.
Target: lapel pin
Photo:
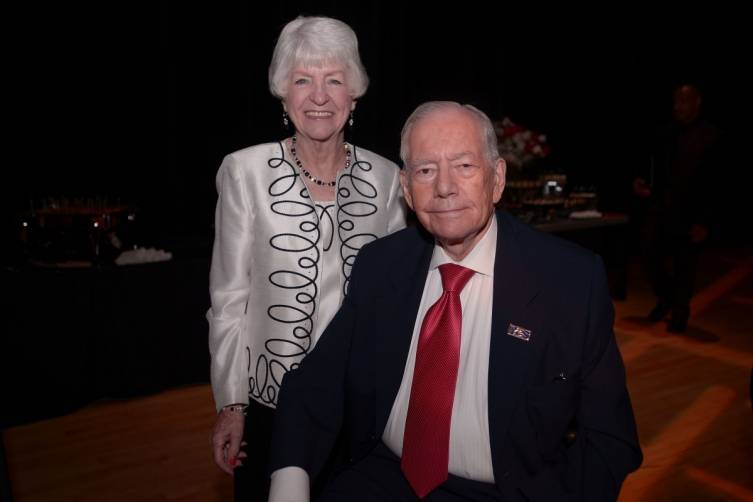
[{"x": 519, "y": 332}]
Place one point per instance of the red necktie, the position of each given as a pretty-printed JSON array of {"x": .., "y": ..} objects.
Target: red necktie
[{"x": 426, "y": 441}]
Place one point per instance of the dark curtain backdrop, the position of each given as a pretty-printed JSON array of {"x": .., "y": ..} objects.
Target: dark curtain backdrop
[{"x": 143, "y": 102}]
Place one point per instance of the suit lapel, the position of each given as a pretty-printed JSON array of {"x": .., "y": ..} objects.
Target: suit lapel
[
  {"x": 407, "y": 276},
  {"x": 514, "y": 288}
]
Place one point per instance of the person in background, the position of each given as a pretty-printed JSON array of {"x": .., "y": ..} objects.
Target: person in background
[
  {"x": 291, "y": 216},
  {"x": 680, "y": 196}
]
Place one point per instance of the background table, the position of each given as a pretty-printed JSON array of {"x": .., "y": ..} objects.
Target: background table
[
  {"x": 73, "y": 335},
  {"x": 607, "y": 236}
]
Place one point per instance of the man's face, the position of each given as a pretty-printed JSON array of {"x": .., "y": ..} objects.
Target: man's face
[
  {"x": 448, "y": 181},
  {"x": 686, "y": 104}
]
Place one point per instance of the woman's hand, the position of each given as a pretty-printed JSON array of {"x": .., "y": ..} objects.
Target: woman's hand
[{"x": 227, "y": 437}]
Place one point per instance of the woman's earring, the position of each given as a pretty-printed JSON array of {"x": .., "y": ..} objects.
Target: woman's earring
[
  {"x": 350, "y": 121},
  {"x": 285, "y": 120}
]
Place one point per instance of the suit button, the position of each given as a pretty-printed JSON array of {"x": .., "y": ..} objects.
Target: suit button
[
  {"x": 506, "y": 474},
  {"x": 350, "y": 460},
  {"x": 372, "y": 437}
]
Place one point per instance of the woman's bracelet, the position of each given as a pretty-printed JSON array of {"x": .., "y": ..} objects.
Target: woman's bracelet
[{"x": 235, "y": 408}]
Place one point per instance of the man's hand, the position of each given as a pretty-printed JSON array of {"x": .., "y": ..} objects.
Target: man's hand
[
  {"x": 641, "y": 189},
  {"x": 226, "y": 440},
  {"x": 698, "y": 234}
]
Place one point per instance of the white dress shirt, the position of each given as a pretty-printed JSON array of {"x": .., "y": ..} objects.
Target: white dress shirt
[{"x": 470, "y": 450}]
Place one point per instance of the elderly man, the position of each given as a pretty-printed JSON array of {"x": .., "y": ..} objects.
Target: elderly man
[{"x": 473, "y": 358}]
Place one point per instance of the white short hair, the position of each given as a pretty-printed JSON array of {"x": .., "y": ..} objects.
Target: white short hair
[
  {"x": 314, "y": 42},
  {"x": 489, "y": 136}
]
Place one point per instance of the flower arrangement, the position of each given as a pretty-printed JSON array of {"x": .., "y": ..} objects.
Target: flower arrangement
[{"x": 520, "y": 146}]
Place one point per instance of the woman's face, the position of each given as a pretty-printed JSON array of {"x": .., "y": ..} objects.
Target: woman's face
[{"x": 319, "y": 101}]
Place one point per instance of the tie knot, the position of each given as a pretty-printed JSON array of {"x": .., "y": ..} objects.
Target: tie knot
[{"x": 454, "y": 277}]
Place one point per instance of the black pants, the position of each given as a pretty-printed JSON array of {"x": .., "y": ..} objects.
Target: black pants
[
  {"x": 670, "y": 260},
  {"x": 251, "y": 480},
  {"x": 378, "y": 478}
]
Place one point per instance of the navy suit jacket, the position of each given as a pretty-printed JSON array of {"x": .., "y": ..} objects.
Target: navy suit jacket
[{"x": 569, "y": 377}]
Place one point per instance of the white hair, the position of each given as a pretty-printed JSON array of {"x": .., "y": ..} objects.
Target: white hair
[
  {"x": 314, "y": 42},
  {"x": 489, "y": 136}
]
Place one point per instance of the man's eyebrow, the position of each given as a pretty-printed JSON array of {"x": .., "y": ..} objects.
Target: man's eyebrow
[
  {"x": 456, "y": 156},
  {"x": 422, "y": 162},
  {"x": 461, "y": 155}
]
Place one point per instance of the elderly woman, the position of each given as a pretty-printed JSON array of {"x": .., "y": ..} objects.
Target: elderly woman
[{"x": 291, "y": 217}]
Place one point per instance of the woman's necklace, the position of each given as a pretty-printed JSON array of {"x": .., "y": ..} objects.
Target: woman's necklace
[{"x": 308, "y": 174}]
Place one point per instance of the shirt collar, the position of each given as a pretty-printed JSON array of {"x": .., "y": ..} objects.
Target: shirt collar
[{"x": 481, "y": 257}]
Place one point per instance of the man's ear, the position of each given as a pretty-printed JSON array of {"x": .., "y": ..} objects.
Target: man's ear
[{"x": 500, "y": 172}]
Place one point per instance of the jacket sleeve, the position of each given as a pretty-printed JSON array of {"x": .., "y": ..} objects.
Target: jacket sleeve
[
  {"x": 607, "y": 447},
  {"x": 229, "y": 282}
]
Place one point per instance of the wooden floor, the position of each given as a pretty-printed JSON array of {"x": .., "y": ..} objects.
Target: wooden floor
[{"x": 690, "y": 395}]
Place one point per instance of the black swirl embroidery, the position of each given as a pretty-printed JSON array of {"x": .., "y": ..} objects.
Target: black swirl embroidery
[
  {"x": 356, "y": 200},
  {"x": 280, "y": 207},
  {"x": 298, "y": 312},
  {"x": 284, "y": 183},
  {"x": 327, "y": 225},
  {"x": 354, "y": 188},
  {"x": 257, "y": 383}
]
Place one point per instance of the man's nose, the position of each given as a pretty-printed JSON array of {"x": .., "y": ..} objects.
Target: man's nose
[{"x": 445, "y": 184}]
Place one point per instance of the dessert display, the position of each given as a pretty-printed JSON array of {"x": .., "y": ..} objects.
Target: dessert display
[{"x": 77, "y": 230}]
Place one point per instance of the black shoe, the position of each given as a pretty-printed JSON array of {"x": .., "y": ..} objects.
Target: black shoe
[
  {"x": 677, "y": 325},
  {"x": 659, "y": 312}
]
